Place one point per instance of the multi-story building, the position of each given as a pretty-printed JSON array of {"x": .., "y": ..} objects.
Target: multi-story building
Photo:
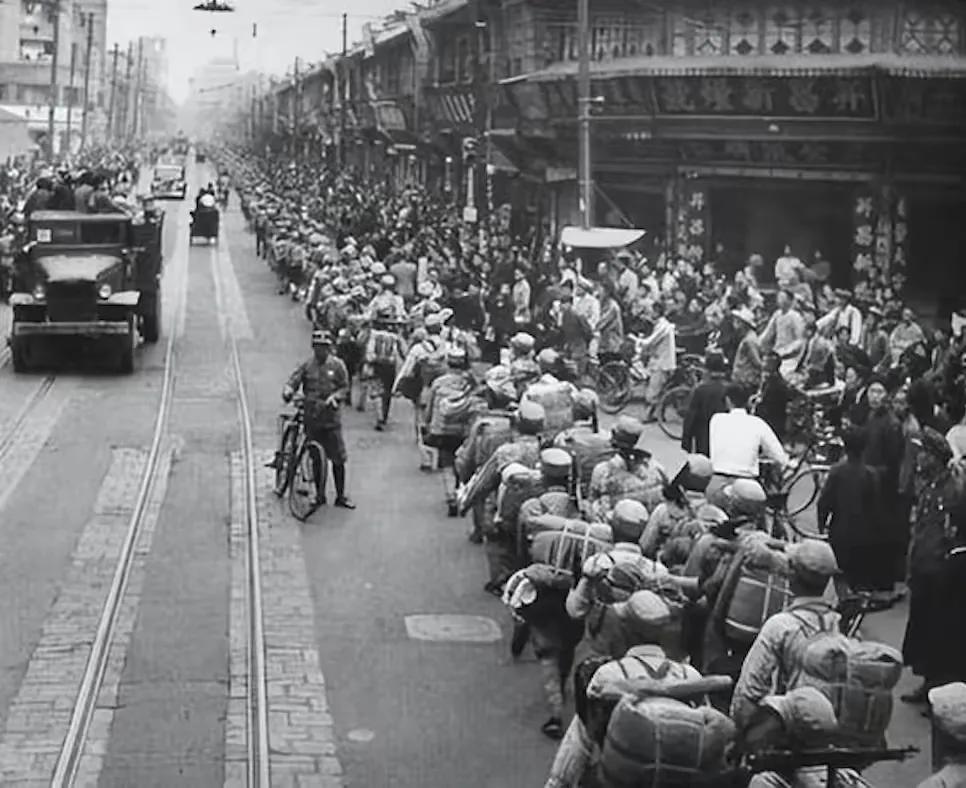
[
  {"x": 724, "y": 128},
  {"x": 737, "y": 127},
  {"x": 27, "y": 38}
]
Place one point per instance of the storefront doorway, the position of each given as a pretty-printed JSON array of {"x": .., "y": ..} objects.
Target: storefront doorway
[
  {"x": 937, "y": 238},
  {"x": 759, "y": 216}
]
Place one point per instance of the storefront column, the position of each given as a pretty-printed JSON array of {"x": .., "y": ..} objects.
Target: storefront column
[{"x": 692, "y": 220}]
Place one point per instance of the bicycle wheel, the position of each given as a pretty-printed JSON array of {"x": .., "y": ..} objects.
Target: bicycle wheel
[
  {"x": 613, "y": 386},
  {"x": 285, "y": 458},
  {"x": 303, "y": 493},
  {"x": 671, "y": 411},
  {"x": 803, "y": 489}
]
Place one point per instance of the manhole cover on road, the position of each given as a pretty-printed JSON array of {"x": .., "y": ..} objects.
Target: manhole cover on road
[{"x": 453, "y": 629}]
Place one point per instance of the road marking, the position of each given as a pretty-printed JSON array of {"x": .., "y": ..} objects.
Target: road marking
[
  {"x": 31, "y": 435},
  {"x": 360, "y": 736},
  {"x": 40, "y": 713},
  {"x": 301, "y": 729},
  {"x": 449, "y": 628}
]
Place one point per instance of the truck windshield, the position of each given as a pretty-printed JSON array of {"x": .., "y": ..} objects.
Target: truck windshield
[
  {"x": 102, "y": 232},
  {"x": 168, "y": 173}
]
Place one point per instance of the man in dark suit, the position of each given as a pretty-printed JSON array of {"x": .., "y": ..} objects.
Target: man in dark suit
[{"x": 708, "y": 398}]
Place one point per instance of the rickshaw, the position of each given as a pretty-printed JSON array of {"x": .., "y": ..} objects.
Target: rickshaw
[{"x": 204, "y": 224}]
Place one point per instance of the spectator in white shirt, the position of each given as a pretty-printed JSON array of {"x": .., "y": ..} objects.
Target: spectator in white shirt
[
  {"x": 787, "y": 265},
  {"x": 737, "y": 439},
  {"x": 660, "y": 350},
  {"x": 627, "y": 281},
  {"x": 843, "y": 315}
]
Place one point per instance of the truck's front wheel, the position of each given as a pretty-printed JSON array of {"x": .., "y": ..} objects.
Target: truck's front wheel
[
  {"x": 20, "y": 354},
  {"x": 129, "y": 345},
  {"x": 151, "y": 319}
]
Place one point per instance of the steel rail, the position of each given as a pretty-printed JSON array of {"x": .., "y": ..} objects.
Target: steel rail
[
  {"x": 72, "y": 749},
  {"x": 257, "y": 694},
  {"x": 38, "y": 396}
]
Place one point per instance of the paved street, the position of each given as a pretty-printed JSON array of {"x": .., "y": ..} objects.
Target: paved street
[{"x": 358, "y": 686}]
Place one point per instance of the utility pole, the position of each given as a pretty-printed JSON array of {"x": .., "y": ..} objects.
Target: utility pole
[
  {"x": 70, "y": 93},
  {"x": 136, "y": 125},
  {"x": 344, "y": 90},
  {"x": 87, "y": 78},
  {"x": 122, "y": 126},
  {"x": 110, "y": 104},
  {"x": 585, "y": 175},
  {"x": 55, "y": 20},
  {"x": 296, "y": 112}
]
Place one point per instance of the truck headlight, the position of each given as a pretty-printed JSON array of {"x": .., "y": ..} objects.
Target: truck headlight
[
  {"x": 39, "y": 292},
  {"x": 104, "y": 291}
]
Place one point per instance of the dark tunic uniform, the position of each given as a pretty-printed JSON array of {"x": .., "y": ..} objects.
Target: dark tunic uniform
[{"x": 323, "y": 424}]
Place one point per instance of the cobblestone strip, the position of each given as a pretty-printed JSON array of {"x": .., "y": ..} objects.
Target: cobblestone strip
[
  {"x": 301, "y": 729},
  {"x": 40, "y": 713},
  {"x": 233, "y": 302},
  {"x": 95, "y": 747},
  {"x": 32, "y": 436}
]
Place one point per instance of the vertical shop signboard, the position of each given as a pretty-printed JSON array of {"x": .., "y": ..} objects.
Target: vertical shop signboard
[
  {"x": 693, "y": 220},
  {"x": 865, "y": 218}
]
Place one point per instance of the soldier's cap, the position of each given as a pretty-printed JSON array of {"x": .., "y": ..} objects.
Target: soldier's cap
[
  {"x": 424, "y": 289},
  {"x": 548, "y": 358},
  {"x": 531, "y": 414},
  {"x": 804, "y": 710},
  {"x": 320, "y": 337},
  {"x": 812, "y": 557},
  {"x": 377, "y": 269},
  {"x": 948, "y": 704},
  {"x": 648, "y": 608},
  {"x": 555, "y": 462},
  {"x": 630, "y": 512},
  {"x": 522, "y": 342},
  {"x": 387, "y": 280},
  {"x": 695, "y": 474},
  {"x": 455, "y": 355},
  {"x": 747, "y": 490},
  {"x": 513, "y": 469},
  {"x": 626, "y": 432},
  {"x": 709, "y": 513}
]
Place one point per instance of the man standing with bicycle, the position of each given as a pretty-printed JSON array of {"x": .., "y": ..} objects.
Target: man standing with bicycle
[{"x": 324, "y": 381}]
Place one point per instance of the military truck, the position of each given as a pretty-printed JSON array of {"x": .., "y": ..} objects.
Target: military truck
[{"x": 94, "y": 277}]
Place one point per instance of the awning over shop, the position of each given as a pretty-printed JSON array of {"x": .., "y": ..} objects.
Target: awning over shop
[
  {"x": 14, "y": 137},
  {"x": 599, "y": 237},
  {"x": 757, "y": 65}
]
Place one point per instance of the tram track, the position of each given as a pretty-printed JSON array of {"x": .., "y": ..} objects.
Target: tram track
[
  {"x": 72, "y": 751},
  {"x": 33, "y": 401}
]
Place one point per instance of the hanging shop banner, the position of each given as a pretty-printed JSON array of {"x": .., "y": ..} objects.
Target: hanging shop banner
[
  {"x": 924, "y": 101},
  {"x": 832, "y": 97}
]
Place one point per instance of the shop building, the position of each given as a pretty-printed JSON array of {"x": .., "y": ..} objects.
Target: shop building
[{"x": 733, "y": 128}]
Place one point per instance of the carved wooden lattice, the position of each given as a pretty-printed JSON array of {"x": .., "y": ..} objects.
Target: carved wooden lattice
[
  {"x": 930, "y": 32},
  {"x": 744, "y": 32},
  {"x": 782, "y": 27},
  {"x": 855, "y": 30},
  {"x": 818, "y": 31}
]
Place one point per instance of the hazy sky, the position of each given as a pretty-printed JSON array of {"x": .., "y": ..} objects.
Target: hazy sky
[{"x": 286, "y": 29}]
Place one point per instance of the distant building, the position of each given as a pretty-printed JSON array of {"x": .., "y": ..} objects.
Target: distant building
[{"x": 26, "y": 51}]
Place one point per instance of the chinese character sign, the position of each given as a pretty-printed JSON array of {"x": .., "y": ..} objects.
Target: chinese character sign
[{"x": 693, "y": 220}]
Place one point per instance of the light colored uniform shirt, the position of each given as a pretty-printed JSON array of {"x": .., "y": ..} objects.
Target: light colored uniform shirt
[
  {"x": 952, "y": 775},
  {"x": 786, "y": 267},
  {"x": 785, "y": 332},
  {"x": 737, "y": 439},
  {"x": 773, "y": 665}
]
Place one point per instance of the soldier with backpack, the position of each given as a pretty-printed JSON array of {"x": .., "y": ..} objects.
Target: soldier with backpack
[
  {"x": 594, "y": 680},
  {"x": 774, "y": 662}
]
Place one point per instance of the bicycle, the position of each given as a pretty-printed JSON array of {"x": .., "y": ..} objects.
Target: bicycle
[
  {"x": 617, "y": 379},
  {"x": 295, "y": 464}
]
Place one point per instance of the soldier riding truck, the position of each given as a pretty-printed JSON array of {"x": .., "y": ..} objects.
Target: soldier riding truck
[{"x": 87, "y": 278}]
